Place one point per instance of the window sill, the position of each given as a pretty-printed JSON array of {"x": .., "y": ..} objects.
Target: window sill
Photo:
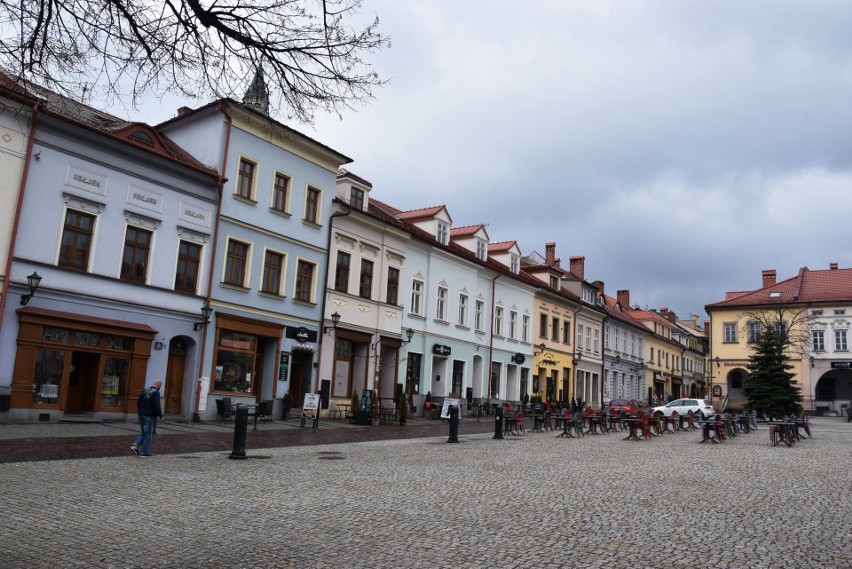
[
  {"x": 279, "y": 212},
  {"x": 441, "y": 322},
  {"x": 311, "y": 224},
  {"x": 304, "y": 302},
  {"x": 272, "y": 295},
  {"x": 244, "y": 199},
  {"x": 235, "y": 287}
]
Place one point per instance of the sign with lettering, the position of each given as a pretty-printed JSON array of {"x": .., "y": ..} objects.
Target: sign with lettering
[
  {"x": 76, "y": 177},
  {"x": 366, "y": 400},
  {"x": 301, "y": 334},
  {"x": 195, "y": 214},
  {"x": 283, "y": 366},
  {"x": 146, "y": 199},
  {"x": 841, "y": 365},
  {"x": 310, "y": 407},
  {"x": 441, "y": 350},
  {"x": 448, "y": 402}
]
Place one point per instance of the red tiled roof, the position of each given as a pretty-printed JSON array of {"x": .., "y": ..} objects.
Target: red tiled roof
[
  {"x": 466, "y": 230},
  {"x": 832, "y": 285},
  {"x": 422, "y": 213},
  {"x": 501, "y": 246}
]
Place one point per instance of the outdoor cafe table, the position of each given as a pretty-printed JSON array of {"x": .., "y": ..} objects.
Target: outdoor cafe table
[
  {"x": 538, "y": 422},
  {"x": 634, "y": 425},
  {"x": 594, "y": 422},
  {"x": 566, "y": 420},
  {"x": 665, "y": 422},
  {"x": 709, "y": 432},
  {"x": 510, "y": 424}
]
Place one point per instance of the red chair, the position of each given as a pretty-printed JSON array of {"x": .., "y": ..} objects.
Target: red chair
[
  {"x": 720, "y": 428},
  {"x": 519, "y": 423}
]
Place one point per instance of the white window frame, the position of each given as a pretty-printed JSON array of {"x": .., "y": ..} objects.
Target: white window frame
[
  {"x": 513, "y": 324},
  {"x": 443, "y": 232},
  {"x": 525, "y": 328},
  {"x": 818, "y": 340},
  {"x": 416, "y": 306},
  {"x": 479, "y": 311},
  {"x": 841, "y": 341},
  {"x": 729, "y": 333},
  {"x": 441, "y": 304},
  {"x": 463, "y": 305},
  {"x": 498, "y": 321}
]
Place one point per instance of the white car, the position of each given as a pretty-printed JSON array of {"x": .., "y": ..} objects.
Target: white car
[{"x": 700, "y": 407}]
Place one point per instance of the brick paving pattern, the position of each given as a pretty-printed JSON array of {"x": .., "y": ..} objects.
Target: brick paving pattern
[{"x": 531, "y": 501}]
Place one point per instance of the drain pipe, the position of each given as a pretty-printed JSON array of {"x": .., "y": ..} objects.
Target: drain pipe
[
  {"x": 221, "y": 185},
  {"x": 491, "y": 338}
]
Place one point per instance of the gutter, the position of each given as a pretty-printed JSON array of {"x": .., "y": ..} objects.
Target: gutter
[{"x": 491, "y": 337}]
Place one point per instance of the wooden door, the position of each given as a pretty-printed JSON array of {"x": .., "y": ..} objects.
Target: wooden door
[
  {"x": 83, "y": 379},
  {"x": 174, "y": 377}
]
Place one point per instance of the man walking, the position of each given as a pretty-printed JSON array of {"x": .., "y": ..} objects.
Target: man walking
[{"x": 148, "y": 407}]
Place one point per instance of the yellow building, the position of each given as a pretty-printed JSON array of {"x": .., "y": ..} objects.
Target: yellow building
[{"x": 815, "y": 308}]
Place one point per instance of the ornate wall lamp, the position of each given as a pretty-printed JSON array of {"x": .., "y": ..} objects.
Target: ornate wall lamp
[
  {"x": 32, "y": 282},
  {"x": 206, "y": 312},
  {"x": 539, "y": 349},
  {"x": 409, "y": 334},
  {"x": 577, "y": 357},
  {"x": 335, "y": 320}
]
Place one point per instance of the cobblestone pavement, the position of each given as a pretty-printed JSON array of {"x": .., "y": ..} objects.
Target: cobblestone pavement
[{"x": 520, "y": 502}]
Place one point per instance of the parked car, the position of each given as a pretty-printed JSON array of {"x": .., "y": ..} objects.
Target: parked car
[
  {"x": 626, "y": 406},
  {"x": 700, "y": 407}
]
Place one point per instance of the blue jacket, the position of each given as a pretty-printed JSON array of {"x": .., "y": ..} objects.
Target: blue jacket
[{"x": 149, "y": 403}]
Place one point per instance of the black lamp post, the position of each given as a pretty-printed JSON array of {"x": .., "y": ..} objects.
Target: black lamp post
[
  {"x": 32, "y": 283},
  {"x": 206, "y": 313},
  {"x": 335, "y": 320}
]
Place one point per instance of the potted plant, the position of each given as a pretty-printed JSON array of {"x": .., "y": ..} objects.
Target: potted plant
[
  {"x": 402, "y": 408},
  {"x": 286, "y": 404}
]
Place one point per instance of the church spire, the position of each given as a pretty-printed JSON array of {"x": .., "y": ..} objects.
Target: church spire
[{"x": 257, "y": 96}]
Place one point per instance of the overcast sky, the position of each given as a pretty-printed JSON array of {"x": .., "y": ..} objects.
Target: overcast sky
[{"x": 680, "y": 146}]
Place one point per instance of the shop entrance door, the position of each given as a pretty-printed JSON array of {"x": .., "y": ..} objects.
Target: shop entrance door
[
  {"x": 174, "y": 377},
  {"x": 82, "y": 382}
]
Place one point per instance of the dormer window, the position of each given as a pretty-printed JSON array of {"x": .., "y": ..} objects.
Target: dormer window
[
  {"x": 143, "y": 137},
  {"x": 356, "y": 198},
  {"x": 443, "y": 232},
  {"x": 554, "y": 282},
  {"x": 480, "y": 249},
  {"x": 514, "y": 263}
]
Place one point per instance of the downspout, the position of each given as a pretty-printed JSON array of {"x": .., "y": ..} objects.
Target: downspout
[
  {"x": 221, "y": 184},
  {"x": 491, "y": 337},
  {"x": 18, "y": 207},
  {"x": 320, "y": 332},
  {"x": 576, "y": 349}
]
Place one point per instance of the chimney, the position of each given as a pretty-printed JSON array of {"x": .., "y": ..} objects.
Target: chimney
[
  {"x": 183, "y": 111},
  {"x": 623, "y": 297},
  {"x": 668, "y": 314},
  {"x": 833, "y": 266},
  {"x": 769, "y": 277},
  {"x": 549, "y": 253},
  {"x": 706, "y": 326},
  {"x": 557, "y": 262},
  {"x": 578, "y": 267},
  {"x": 600, "y": 286}
]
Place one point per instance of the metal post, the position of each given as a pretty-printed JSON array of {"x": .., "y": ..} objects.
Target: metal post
[
  {"x": 498, "y": 423},
  {"x": 240, "y": 428},
  {"x": 454, "y": 424}
]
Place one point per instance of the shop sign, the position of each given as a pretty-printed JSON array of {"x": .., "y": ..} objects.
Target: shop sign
[
  {"x": 283, "y": 366},
  {"x": 441, "y": 350},
  {"x": 301, "y": 334},
  {"x": 841, "y": 365}
]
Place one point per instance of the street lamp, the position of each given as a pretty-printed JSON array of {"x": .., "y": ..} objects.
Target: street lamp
[
  {"x": 335, "y": 320},
  {"x": 206, "y": 312},
  {"x": 32, "y": 283}
]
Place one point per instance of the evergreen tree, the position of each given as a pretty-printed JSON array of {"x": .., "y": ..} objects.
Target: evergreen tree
[{"x": 770, "y": 388}]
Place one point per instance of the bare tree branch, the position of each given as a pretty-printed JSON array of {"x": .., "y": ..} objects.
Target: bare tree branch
[{"x": 311, "y": 52}]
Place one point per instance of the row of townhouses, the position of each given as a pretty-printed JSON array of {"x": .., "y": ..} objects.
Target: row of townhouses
[{"x": 232, "y": 256}]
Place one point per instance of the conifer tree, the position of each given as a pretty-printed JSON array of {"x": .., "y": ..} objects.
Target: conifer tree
[{"x": 771, "y": 388}]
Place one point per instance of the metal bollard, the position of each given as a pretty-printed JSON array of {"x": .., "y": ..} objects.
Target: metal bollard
[
  {"x": 240, "y": 428},
  {"x": 454, "y": 424},
  {"x": 498, "y": 423}
]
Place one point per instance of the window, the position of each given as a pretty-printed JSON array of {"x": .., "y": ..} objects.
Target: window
[
  {"x": 304, "y": 281},
  {"x": 480, "y": 249},
  {"x": 566, "y": 332},
  {"x": 554, "y": 282},
  {"x": 47, "y": 380},
  {"x": 525, "y": 328},
  {"x": 589, "y": 338},
  {"x": 235, "y": 357},
  {"x": 754, "y": 332},
  {"x": 514, "y": 263},
  {"x": 513, "y": 323},
  {"x": 816, "y": 312},
  {"x": 498, "y": 321},
  {"x": 462, "y": 321},
  {"x": 542, "y": 326},
  {"x": 134, "y": 260},
  {"x": 312, "y": 200},
  {"x": 188, "y": 265},
  {"x": 356, "y": 198},
  {"x": 416, "y": 297},
  {"x": 818, "y": 339},
  {"x": 730, "y": 331},
  {"x": 280, "y": 192},
  {"x": 441, "y": 309},
  {"x": 841, "y": 312},
  {"x": 236, "y": 262},
  {"x": 597, "y": 345},
  {"x": 555, "y": 330},
  {"x": 443, "y": 232},
  {"x": 365, "y": 289},
  {"x": 392, "y": 296},
  {"x": 341, "y": 275},
  {"x": 579, "y": 336},
  {"x": 245, "y": 180},
  {"x": 840, "y": 344},
  {"x": 606, "y": 338},
  {"x": 76, "y": 240},
  {"x": 273, "y": 266},
  {"x": 478, "y": 315}
]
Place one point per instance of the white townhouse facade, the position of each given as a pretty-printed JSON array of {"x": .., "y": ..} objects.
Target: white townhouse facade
[
  {"x": 363, "y": 308},
  {"x": 470, "y": 314},
  {"x": 270, "y": 251},
  {"x": 116, "y": 220},
  {"x": 624, "y": 350}
]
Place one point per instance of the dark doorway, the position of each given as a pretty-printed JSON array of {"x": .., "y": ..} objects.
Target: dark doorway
[
  {"x": 82, "y": 382},
  {"x": 174, "y": 376}
]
